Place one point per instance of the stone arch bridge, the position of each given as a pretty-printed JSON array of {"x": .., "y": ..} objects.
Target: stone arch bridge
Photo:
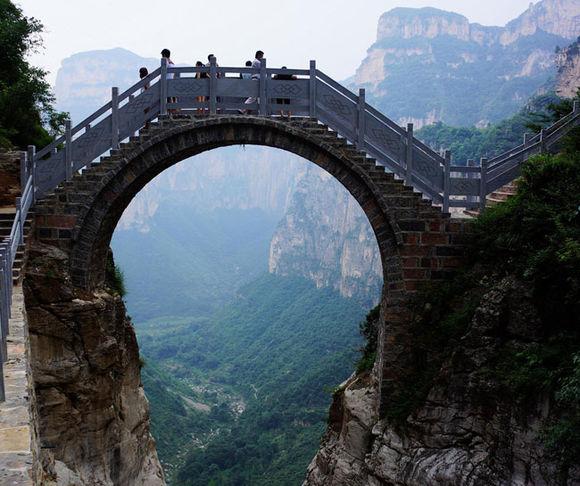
[{"x": 405, "y": 188}]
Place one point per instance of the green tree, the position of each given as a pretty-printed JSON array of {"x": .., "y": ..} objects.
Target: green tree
[{"x": 27, "y": 115}]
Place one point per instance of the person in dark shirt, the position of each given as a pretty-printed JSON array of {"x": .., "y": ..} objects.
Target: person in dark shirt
[
  {"x": 143, "y": 73},
  {"x": 201, "y": 99}
]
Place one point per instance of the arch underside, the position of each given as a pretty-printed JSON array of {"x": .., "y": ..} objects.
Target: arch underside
[{"x": 95, "y": 226}]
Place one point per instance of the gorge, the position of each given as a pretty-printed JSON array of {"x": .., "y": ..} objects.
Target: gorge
[{"x": 248, "y": 270}]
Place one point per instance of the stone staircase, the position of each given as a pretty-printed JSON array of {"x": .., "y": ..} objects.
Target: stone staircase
[
  {"x": 497, "y": 197},
  {"x": 6, "y": 221},
  {"x": 396, "y": 193}
]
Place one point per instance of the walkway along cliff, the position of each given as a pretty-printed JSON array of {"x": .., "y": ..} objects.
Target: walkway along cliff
[{"x": 90, "y": 413}]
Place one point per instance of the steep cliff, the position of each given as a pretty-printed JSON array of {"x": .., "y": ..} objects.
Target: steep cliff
[
  {"x": 326, "y": 237},
  {"x": 568, "y": 62},
  {"x": 469, "y": 430},
  {"x": 93, "y": 415},
  {"x": 429, "y": 65}
]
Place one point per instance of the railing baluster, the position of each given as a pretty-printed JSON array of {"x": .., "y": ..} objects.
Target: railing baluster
[
  {"x": 471, "y": 175},
  {"x": 20, "y": 222},
  {"x": 446, "y": 181},
  {"x": 31, "y": 159},
  {"x": 360, "y": 119},
  {"x": 483, "y": 184},
  {"x": 23, "y": 170},
  {"x": 212, "y": 86},
  {"x": 312, "y": 90},
  {"x": 409, "y": 155},
  {"x": 68, "y": 151},
  {"x": 163, "y": 87},
  {"x": 263, "y": 100},
  {"x": 115, "y": 118}
]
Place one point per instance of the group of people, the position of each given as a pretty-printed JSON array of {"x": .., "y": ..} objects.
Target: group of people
[{"x": 255, "y": 65}]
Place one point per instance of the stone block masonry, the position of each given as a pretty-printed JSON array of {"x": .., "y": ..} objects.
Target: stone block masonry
[{"x": 16, "y": 422}]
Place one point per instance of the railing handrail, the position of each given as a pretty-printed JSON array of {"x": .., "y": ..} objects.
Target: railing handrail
[{"x": 435, "y": 162}]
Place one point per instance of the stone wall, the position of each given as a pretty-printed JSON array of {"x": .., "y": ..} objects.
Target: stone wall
[{"x": 17, "y": 422}]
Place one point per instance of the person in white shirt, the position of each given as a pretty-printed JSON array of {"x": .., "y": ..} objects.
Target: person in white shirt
[
  {"x": 166, "y": 54},
  {"x": 256, "y": 64}
]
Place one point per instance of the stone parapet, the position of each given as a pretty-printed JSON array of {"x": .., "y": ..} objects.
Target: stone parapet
[{"x": 16, "y": 456}]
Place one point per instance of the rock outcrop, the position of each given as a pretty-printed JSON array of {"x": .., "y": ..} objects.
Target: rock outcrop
[
  {"x": 568, "y": 62},
  {"x": 326, "y": 237},
  {"x": 466, "y": 431},
  {"x": 93, "y": 417},
  {"x": 429, "y": 65}
]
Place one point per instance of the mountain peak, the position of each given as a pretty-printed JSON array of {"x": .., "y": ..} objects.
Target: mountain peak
[
  {"x": 427, "y": 22},
  {"x": 558, "y": 17}
]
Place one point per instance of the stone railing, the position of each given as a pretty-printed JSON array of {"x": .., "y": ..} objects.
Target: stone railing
[{"x": 8, "y": 248}]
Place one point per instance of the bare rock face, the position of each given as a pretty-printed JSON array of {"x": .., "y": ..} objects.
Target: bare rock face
[
  {"x": 557, "y": 17},
  {"x": 93, "y": 417},
  {"x": 326, "y": 237},
  {"x": 568, "y": 62},
  {"x": 341, "y": 459},
  {"x": 465, "y": 432}
]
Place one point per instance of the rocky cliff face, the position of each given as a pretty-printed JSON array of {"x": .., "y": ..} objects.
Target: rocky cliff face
[
  {"x": 93, "y": 415},
  {"x": 429, "y": 65},
  {"x": 458, "y": 434},
  {"x": 556, "y": 17},
  {"x": 229, "y": 178},
  {"x": 326, "y": 237},
  {"x": 568, "y": 62},
  {"x": 84, "y": 81}
]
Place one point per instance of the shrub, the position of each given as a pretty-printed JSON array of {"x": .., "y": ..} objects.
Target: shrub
[{"x": 369, "y": 328}]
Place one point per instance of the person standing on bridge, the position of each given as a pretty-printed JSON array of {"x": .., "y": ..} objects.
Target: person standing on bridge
[
  {"x": 166, "y": 54},
  {"x": 256, "y": 64},
  {"x": 246, "y": 75},
  {"x": 143, "y": 73},
  {"x": 201, "y": 99}
]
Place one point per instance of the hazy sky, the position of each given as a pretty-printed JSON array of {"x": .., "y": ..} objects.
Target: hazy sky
[{"x": 336, "y": 33}]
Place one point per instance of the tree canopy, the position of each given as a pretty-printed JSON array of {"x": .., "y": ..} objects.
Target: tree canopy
[{"x": 27, "y": 114}]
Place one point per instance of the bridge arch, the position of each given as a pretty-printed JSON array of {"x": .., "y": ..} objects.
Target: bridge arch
[{"x": 417, "y": 242}]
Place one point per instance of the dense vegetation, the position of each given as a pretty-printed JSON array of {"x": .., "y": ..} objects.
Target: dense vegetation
[
  {"x": 275, "y": 353},
  {"x": 460, "y": 81},
  {"x": 473, "y": 143},
  {"x": 26, "y": 102}
]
